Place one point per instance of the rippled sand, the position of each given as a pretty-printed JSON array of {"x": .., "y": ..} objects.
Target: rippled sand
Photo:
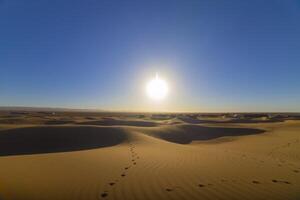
[{"x": 125, "y": 157}]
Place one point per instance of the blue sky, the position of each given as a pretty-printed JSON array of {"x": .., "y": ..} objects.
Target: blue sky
[{"x": 216, "y": 55}]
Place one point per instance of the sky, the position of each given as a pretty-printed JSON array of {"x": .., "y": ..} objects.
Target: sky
[{"x": 216, "y": 56}]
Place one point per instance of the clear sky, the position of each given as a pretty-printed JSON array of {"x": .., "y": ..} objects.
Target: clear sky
[{"x": 215, "y": 55}]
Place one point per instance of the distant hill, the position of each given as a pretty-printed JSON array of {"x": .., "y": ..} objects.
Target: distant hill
[{"x": 46, "y": 109}]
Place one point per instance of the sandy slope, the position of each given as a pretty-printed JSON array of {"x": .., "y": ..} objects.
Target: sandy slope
[{"x": 155, "y": 162}]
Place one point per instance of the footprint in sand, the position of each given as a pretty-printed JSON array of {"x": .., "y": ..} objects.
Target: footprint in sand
[
  {"x": 104, "y": 194},
  {"x": 296, "y": 171},
  {"x": 169, "y": 189},
  {"x": 280, "y": 181},
  {"x": 256, "y": 182},
  {"x": 203, "y": 185}
]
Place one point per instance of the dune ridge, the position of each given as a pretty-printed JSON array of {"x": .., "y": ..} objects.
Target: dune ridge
[
  {"x": 171, "y": 160},
  {"x": 117, "y": 122}
]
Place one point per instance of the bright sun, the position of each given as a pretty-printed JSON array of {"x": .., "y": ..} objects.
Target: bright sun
[{"x": 157, "y": 89}]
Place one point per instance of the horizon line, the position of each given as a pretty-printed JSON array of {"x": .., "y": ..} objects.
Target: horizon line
[{"x": 69, "y": 109}]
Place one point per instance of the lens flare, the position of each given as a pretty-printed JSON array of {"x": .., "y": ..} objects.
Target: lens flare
[{"x": 157, "y": 89}]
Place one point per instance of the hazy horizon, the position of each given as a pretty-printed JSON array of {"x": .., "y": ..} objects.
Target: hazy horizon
[{"x": 62, "y": 109}]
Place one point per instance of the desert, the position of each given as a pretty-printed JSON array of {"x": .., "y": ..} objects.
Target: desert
[
  {"x": 149, "y": 100},
  {"x": 73, "y": 155}
]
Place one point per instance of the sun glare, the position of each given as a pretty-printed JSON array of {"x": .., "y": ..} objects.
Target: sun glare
[{"x": 157, "y": 89}]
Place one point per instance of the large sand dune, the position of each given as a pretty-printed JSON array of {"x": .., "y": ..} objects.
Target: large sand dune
[
  {"x": 172, "y": 159},
  {"x": 185, "y": 134}
]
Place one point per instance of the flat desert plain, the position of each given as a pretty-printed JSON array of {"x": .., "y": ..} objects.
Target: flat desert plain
[{"x": 73, "y": 155}]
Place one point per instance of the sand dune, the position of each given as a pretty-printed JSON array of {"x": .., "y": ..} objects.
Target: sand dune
[
  {"x": 185, "y": 134},
  {"x": 165, "y": 161},
  {"x": 196, "y": 120}
]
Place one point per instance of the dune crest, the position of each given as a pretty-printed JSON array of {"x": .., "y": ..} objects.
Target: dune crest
[{"x": 117, "y": 122}]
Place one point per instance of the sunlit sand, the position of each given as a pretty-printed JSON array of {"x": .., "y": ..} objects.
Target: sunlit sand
[{"x": 148, "y": 156}]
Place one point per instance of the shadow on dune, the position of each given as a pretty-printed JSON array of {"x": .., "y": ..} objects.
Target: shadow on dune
[
  {"x": 57, "y": 122},
  {"x": 47, "y": 139},
  {"x": 185, "y": 134},
  {"x": 115, "y": 122}
]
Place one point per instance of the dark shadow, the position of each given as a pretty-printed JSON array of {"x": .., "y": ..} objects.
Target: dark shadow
[
  {"x": 115, "y": 122},
  {"x": 57, "y": 122},
  {"x": 48, "y": 139},
  {"x": 188, "y": 133}
]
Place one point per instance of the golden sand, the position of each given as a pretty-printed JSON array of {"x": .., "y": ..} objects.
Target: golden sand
[{"x": 124, "y": 157}]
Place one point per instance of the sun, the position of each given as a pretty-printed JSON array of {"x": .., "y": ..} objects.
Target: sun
[{"x": 157, "y": 89}]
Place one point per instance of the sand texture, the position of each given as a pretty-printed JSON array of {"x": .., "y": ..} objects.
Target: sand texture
[{"x": 92, "y": 156}]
